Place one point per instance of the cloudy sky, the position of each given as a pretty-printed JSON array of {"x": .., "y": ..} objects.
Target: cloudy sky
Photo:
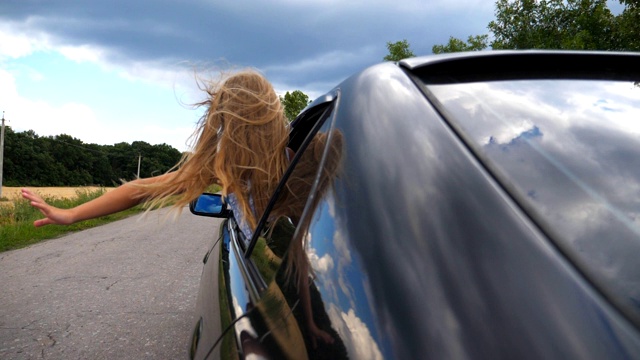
[{"x": 113, "y": 71}]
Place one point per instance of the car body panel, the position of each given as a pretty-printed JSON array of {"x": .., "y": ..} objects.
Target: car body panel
[
  {"x": 462, "y": 255},
  {"x": 418, "y": 250},
  {"x": 573, "y": 160}
]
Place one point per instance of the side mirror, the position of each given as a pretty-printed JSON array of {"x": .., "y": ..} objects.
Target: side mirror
[{"x": 209, "y": 205}]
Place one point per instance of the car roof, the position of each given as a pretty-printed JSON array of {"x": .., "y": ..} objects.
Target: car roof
[{"x": 558, "y": 130}]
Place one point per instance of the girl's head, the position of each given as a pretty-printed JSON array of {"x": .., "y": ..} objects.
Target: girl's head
[
  {"x": 239, "y": 144},
  {"x": 242, "y": 139}
]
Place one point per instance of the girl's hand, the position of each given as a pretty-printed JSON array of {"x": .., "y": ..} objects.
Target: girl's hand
[{"x": 53, "y": 215}]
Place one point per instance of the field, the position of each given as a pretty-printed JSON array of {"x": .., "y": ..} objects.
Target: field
[
  {"x": 17, "y": 215},
  {"x": 11, "y": 193}
]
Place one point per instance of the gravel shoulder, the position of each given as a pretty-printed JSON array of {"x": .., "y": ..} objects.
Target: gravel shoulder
[{"x": 125, "y": 290}]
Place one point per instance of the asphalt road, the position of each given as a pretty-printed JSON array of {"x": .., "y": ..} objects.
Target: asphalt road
[{"x": 125, "y": 290}]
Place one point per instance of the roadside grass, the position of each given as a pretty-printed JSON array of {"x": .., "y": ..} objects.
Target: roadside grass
[
  {"x": 16, "y": 220},
  {"x": 17, "y": 217}
]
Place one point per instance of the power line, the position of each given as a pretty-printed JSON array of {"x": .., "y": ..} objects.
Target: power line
[{"x": 80, "y": 146}]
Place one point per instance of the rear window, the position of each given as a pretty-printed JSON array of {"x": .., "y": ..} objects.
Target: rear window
[{"x": 569, "y": 152}]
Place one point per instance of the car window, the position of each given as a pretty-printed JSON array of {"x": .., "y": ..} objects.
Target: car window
[
  {"x": 291, "y": 304},
  {"x": 569, "y": 152},
  {"x": 305, "y": 124},
  {"x": 277, "y": 226}
]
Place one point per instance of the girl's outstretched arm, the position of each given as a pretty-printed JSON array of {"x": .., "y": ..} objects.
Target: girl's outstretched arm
[{"x": 121, "y": 198}]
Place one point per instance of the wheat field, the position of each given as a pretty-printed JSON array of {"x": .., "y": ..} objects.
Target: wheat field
[{"x": 11, "y": 193}]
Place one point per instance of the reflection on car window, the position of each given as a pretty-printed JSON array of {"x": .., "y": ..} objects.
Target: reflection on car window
[
  {"x": 275, "y": 236},
  {"x": 572, "y": 150},
  {"x": 340, "y": 283},
  {"x": 292, "y": 306}
]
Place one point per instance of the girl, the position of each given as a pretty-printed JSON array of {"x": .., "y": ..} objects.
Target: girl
[{"x": 240, "y": 144}]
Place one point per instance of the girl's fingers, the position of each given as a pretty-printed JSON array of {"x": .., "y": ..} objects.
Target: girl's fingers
[
  {"x": 51, "y": 214},
  {"x": 31, "y": 196},
  {"x": 41, "y": 222}
]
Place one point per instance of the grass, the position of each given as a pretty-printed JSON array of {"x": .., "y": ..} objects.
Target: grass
[{"x": 16, "y": 220}]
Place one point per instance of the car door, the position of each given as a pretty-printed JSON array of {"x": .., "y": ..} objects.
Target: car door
[{"x": 261, "y": 310}]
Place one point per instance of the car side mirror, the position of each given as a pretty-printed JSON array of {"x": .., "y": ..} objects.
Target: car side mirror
[{"x": 209, "y": 205}]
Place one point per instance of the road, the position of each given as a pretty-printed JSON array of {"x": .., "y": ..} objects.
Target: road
[{"x": 124, "y": 290}]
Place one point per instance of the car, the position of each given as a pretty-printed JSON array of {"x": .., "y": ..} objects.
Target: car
[{"x": 481, "y": 205}]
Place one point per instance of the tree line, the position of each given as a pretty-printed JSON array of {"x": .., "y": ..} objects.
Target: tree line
[
  {"x": 547, "y": 24},
  {"x": 62, "y": 160}
]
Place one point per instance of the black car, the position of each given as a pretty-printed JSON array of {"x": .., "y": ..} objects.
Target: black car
[{"x": 475, "y": 205}]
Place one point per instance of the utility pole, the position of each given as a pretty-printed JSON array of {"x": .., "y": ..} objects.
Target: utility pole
[
  {"x": 139, "y": 158},
  {"x": 1, "y": 152}
]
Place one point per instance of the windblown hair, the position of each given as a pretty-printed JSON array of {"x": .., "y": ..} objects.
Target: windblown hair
[{"x": 240, "y": 145}]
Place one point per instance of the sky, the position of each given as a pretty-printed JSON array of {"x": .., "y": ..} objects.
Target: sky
[{"x": 121, "y": 71}]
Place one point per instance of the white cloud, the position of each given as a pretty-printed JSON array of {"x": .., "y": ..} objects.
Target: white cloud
[
  {"x": 49, "y": 119},
  {"x": 340, "y": 243},
  {"x": 508, "y": 133},
  {"x": 354, "y": 333},
  {"x": 82, "y": 53},
  {"x": 16, "y": 45},
  {"x": 8, "y": 91},
  {"x": 343, "y": 255},
  {"x": 177, "y": 76},
  {"x": 80, "y": 120},
  {"x": 243, "y": 324},
  {"x": 320, "y": 264}
]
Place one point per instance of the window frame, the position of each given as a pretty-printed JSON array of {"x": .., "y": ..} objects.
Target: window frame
[
  {"x": 315, "y": 116},
  {"x": 321, "y": 113}
]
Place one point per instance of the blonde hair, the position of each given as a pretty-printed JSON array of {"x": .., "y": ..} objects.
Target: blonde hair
[{"x": 240, "y": 145}]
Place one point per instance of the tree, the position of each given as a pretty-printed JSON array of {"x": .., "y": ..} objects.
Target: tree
[
  {"x": 294, "y": 103},
  {"x": 72, "y": 157},
  {"x": 124, "y": 161},
  {"x": 557, "y": 24},
  {"x": 552, "y": 24},
  {"x": 398, "y": 50},
  {"x": 474, "y": 43},
  {"x": 627, "y": 27},
  {"x": 62, "y": 160}
]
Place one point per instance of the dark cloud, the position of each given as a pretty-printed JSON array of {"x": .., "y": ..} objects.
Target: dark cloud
[{"x": 299, "y": 44}]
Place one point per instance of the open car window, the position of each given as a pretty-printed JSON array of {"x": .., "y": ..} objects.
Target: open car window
[{"x": 275, "y": 229}]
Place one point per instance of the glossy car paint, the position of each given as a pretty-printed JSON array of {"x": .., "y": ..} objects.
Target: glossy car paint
[
  {"x": 573, "y": 157},
  {"x": 420, "y": 251}
]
